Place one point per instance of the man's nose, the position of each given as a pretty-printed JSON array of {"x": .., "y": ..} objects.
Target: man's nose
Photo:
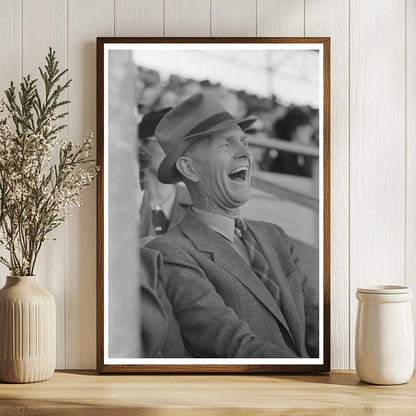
[{"x": 243, "y": 151}]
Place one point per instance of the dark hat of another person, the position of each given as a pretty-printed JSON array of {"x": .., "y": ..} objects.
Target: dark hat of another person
[
  {"x": 150, "y": 121},
  {"x": 294, "y": 118},
  {"x": 198, "y": 116}
]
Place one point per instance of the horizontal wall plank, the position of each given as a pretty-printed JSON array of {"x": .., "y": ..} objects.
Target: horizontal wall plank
[{"x": 377, "y": 153}]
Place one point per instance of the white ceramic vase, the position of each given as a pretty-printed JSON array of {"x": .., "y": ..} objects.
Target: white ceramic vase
[
  {"x": 384, "y": 341},
  {"x": 27, "y": 331}
]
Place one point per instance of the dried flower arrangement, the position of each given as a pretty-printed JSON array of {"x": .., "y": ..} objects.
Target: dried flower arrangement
[{"x": 42, "y": 176}]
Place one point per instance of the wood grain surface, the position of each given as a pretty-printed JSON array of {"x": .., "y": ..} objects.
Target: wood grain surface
[
  {"x": 339, "y": 393},
  {"x": 280, "y": 18},
  {"x": 10, "y": 65},
  {"x": 330, "y": 18},
  {"x": 410, "y": 258},
  {"x": 51, "y": 264},
  {"x": 85, "y": 19},
  {"x": 138, "y": 18},
  {"x": 377, "y": 148},
  {"x": 233, "y": 18},
  {"x": 187, "y": 18}
]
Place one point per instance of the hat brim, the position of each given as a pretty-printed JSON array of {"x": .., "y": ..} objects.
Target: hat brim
[{"x": 167, "y": 172}]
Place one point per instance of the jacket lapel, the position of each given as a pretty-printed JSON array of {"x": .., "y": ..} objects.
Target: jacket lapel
[
  {"x": 146, "y": 223},
  {"x": 288, "y": 303},
  {"x": 208, "y": 241}
]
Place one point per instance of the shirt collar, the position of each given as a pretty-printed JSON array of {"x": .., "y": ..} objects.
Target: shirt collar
[
  {"x": 167, "y": 206},
  {"x": 220, "y": 223}
]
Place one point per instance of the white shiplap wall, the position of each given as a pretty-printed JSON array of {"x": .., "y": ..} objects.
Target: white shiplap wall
[{"x": 373, "y": 132}]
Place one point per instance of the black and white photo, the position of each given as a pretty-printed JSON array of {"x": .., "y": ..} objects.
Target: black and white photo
[{"x": 213, "y": 205}]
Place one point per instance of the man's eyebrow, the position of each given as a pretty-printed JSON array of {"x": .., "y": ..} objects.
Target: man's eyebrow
[{"x": 231, "y": 136}]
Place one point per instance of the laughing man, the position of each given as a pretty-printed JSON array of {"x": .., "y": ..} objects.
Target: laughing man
[{"x": 234, "y": 284}]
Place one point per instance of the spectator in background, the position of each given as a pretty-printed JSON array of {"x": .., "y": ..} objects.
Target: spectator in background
[
  {"x": 164, "y": 205},
  {"x": 294, "y": 127},
  {"x": 160, "y": 333},
  {"x": 315, "y": 125},
  {"x": 149, "y": 87},
  {"x": 166, "y": 98},
  {"x": 257, "y": 133},
  {"x": 190, "y": 87},
  {"x": 267, "y": 111}
]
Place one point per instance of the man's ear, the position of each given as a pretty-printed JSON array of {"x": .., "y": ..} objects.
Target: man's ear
[{"x": 185, "y": 166}]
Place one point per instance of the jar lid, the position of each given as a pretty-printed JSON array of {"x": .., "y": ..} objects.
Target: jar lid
[{"x": 384, "y": 289}]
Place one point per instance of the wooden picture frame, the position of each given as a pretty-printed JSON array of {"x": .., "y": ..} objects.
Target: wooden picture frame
[{"x": 321, "y": 207}]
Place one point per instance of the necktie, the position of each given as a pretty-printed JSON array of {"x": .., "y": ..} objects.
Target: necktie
[
  {"x": 258, "y": 263},
  {"x": 160, "y": 222}
]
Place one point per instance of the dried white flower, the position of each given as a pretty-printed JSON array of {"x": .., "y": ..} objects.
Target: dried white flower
[{"x": 42, "y": 175}]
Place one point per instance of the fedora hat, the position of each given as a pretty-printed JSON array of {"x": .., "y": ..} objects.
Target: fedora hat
[{"x": 196, "y": 117}]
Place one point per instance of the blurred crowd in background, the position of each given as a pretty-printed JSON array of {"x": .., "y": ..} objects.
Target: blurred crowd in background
[{"x": 276, "y": 120}]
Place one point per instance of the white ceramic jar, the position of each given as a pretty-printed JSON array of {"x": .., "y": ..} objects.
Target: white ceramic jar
[{"x": 384, "y": 338}]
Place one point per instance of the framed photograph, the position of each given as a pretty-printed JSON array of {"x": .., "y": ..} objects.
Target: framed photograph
[{"x": 213, "y": 205}]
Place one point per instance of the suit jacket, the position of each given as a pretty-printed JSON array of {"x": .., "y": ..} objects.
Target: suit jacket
[
  {"x": 180, "y": 206},
  {"x": 308, "y": 260},
  {"x": 160, "y": 333},
  {"x": 223, "y": 308}
]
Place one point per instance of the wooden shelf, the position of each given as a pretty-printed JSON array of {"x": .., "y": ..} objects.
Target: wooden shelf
[{"x": 85, "y": 393}]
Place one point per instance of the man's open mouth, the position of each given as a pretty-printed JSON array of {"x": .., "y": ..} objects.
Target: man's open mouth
[{"x": 239, "y": 174}]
